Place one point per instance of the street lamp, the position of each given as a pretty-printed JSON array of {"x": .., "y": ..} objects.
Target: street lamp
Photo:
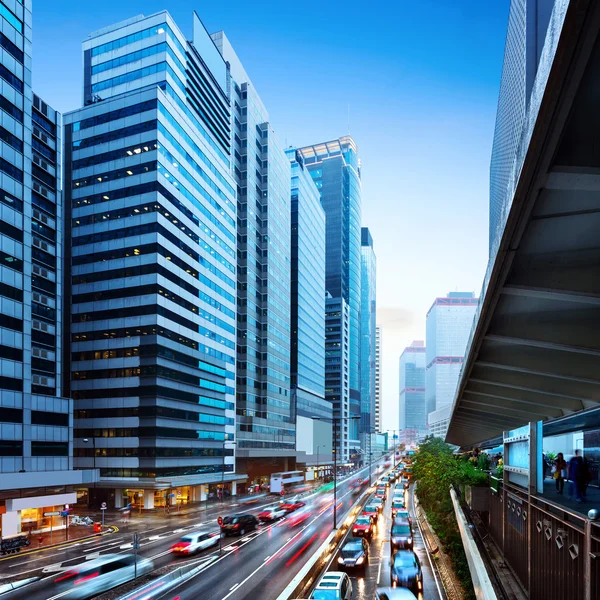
[
  {"x": 86, "y": 441},
  {"x": 394, "y": 444},
  {"x": 334, "y": 421}
]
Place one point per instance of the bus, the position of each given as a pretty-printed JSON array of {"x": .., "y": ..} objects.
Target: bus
[{"x": 286, "y": 481}]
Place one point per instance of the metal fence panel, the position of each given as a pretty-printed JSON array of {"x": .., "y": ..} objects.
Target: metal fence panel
[{"x": 515, "y": 536}]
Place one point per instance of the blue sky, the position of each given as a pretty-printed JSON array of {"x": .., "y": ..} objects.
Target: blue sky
[{"x": 419, "y": 81}]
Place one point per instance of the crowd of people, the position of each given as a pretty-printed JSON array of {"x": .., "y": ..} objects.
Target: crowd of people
[{"x": 576, "y": 472}]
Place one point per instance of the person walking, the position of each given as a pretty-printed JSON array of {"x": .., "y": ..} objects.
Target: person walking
[
  {"x": 576, "y": 476},
  {"x": 559, "y": 471}
]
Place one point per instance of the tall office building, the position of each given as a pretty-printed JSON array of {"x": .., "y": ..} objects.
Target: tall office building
[
  {"x": 337, "y": 371},
  {"x": 335, "y": 168},
  {"x": 368, "y": 339},
  {"x": 378, "y": 388},
  {"x": 526, "y": 32},
  {"x": 448, "y": 327},
  {"x": 151, "y": 214},
  {"x": 36, "y": 419},
  {"x": 413, "y": 409},
  {"x": 265, "y": 420},
  {"x": 308, "y": 312}
]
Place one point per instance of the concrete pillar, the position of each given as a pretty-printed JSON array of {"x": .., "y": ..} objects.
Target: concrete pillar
[
  {"x": 148, "y": 499},
  {"x": 118, "y": 498},
  {"x": 10, "y": 523}
]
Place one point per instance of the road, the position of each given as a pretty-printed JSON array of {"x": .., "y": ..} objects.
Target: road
[
  {"x": 263, "y": 561},
  {"x": 378, "y": 571}
]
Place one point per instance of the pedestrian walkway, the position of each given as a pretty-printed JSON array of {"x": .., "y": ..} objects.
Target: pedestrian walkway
[{"x": 592, "y": 499}]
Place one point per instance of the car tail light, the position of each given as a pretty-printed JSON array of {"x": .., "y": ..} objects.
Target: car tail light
[
  {"x": 86, "y": 578},
  {"x": 181, "y": 547},
  {"x": 236, "y": 526},
  {"x": 66, "y": 575}
]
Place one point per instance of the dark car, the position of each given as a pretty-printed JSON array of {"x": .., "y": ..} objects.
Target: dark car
[
  {"x": 354, "y": 554},
  {"x": 406, "y": 571},
  {"x": 239, "y": 524},
  {"x": 401, "y": 535},
  {"x": 363, "y": 526},
  {"x": 371, "y": 511},
  {"x": 397, "y": 505}
]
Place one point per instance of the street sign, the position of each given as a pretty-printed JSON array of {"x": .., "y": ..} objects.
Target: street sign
[
  {"x": 64, "y": 513},
  {"x": 103, "y": 506},
  {"x": 282, "y": 493},
  {"x": 54, "y": 513},
  {"x": 179, "y": 492},
  {"x": 171, "y": 495},
  {"x": 136, "y": 541},
  {"x": 220, "y": 521}
]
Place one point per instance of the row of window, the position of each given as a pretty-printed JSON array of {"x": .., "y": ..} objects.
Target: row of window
[
  {"x": 139, "y": 74},
  {"x": 11, "y": 448},
  {"x": 165, "y": 472},
  {"x": 150, "y": 432},
  {"x": 11, "y": 48},
  {"x": 9, "y": 108},
  {"x": 126, "y": 59},
  {"x": 147, "y": 452}
]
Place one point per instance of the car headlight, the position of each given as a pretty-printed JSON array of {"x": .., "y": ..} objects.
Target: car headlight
[
  {"x": 410, "y": 542},
  {"x": 340, "y": 560},
  {"x": 354, "y": 530},
  {"x": 361, "y": 560}
]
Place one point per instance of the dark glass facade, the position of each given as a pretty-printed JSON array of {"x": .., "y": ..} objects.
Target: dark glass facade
[{"x": 368, "y": 338}]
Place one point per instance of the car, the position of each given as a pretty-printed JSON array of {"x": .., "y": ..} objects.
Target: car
[
  {"x": 390, "y": 593},
  {"x": 354, "y": 554},
  {"x": 371, "y": 511},
  {"x": 405, "y": 483},
  {"x": 194, "y": 542},
  {"x": 98, "y": 575},
  {"x": 402, "y": 513},
  {"x": 292, "y": 505},
  {"x": 239, "y": 524},
  {"x": 397, "y": 504},
  {"x": 300, "y": 516},
  {"x": 363, "y": 526},
  {"x": 401, "y": 535},
  {"x": 379, "y": 503},
  {"x": 334, "y": 585},
  {"x": 271, "y": 514},
  {"x": 405, "y": 571},
  {"x": 385, "y": 480},
  {"x": 398, "y": 495},
  {"x": 381, "y": 493}
]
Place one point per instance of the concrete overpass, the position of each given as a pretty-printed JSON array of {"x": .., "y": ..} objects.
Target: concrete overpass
[{"x": 534, "y": 352}]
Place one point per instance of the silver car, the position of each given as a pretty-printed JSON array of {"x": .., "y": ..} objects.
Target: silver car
[{"x": 95, "y": 576}]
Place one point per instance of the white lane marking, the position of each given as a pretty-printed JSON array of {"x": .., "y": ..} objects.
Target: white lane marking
[
  {"x": 154, "y": 537},
  {"x": 126, "y": 546},
  {"x": 178, "y": 530},
  {"x": 233, "y": 587},
  {"x": 55, "y": 568},
  {"x": 266, "y": 559},
  {"x": 92, "y": 556}
]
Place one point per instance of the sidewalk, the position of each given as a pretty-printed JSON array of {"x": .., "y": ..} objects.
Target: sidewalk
[{"x": 592, "y": 499}]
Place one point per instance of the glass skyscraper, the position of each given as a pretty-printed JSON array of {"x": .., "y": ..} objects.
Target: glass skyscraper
[
  {"x": 262, "y": 171},
  {"x": 151, "y": 214},
  {"x": 308, "y": 294},
  {"x": 378, "y": 388},
  {"x": 368, "y": 324},
  {"x": 526, "y": 32},
  {"x": 36, "y": 416},
  {"x": 335, "y": 168},
  {"x": 413, "y": 409},
  {"x": 448, "y": 326}
]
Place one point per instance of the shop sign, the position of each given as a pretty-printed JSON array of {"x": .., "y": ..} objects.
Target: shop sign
[{"x": 54, "y": 513}]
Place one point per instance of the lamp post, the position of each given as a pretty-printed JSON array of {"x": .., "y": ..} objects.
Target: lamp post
[
  {"x": 394, "y": 444},
  {"x": 334, "y": 421},
  {"x": 318, "y": 461},
  {"x": 86, "y": 441}
]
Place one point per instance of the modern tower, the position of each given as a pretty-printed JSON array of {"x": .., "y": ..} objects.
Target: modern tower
[
  {"x": 335, "y": 168},
  {"x": 265, "y": 419},
  {"x": 378, "y": 388},
  {"x": 151, "y": 213},
  {"x": 36, "y": 416},
  {"x": 368, "y": 336},
  {"x": 448, "y": 327},
  {"x": 413, "y": 409},
  {"x": 527, "y": 25}
]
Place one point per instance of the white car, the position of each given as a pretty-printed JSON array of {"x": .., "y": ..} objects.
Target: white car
[
  {"x": 271, "y": 514},
  {"x": 334, "y": 585},
  {"x": 194, "y": 542},
  {"x": 91, "y": 578}
]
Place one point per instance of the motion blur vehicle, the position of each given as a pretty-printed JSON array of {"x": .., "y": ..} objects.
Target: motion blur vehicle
[
  {"x": 354, "y": 554},
  {"x": 300, "y": 516},
  {"x": 390, "y": 593},
  {"x": 379, "y": 503},
  {"x": 194, "y": 542},
  {"x": 15, "y": 585},
  {"x": 371, "y": 511},
  {"x": 405, "y": 571},
  {"x": 334, "y": 585},
  {"x": 405, "y": 483},
  {"x": 292, "y": 504},
  {"x": 381, "y": 493},
  {"x": 239, "y": 524},
  {"x": 398, "y": 495},
  {"x": 397, "y": 505},
  {"x": 385, "y": 480},
  {"x": 271, "y": 514},
  {"x": 401, "y": 535},
  {"x": 95, "y": 576},
  {"x": 363, "y": 526}
]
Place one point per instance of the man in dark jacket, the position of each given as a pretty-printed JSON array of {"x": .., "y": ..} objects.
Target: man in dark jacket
[{"x": 576, "y": 476}]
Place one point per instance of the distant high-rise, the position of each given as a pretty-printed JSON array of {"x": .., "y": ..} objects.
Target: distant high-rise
[
  {"x": 265, "y": 419},
  {"x": 378, "y": 350},
  {"x": 308, "y": 294},
  {"x": 413, "y": 409},
  {"x": 36, "y": 415},
  {"x": 527, "y": 25},
  {"x": 448, "y": 326},
  {"x": 368, "y": 336},
  {"x": 335, "y": 168}
]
